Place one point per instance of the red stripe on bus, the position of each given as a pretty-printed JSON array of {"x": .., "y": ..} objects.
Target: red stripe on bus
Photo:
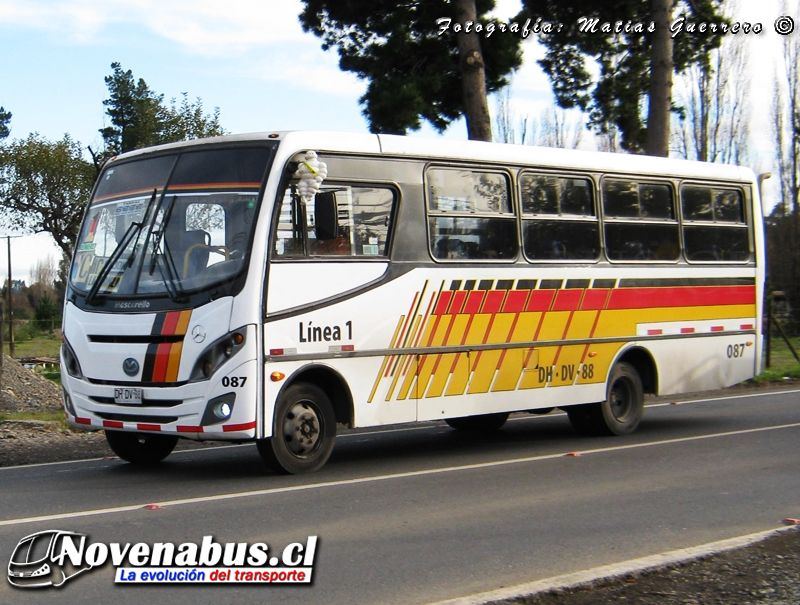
[
  {"x": 113, "y": 424},
  {"x": 170, "y": 322},
  {"x": 148, "y": 427},
  {"x": 515, "y": 301},
  {"x": 717, "y": 328},
  {"x": 190, "y": 429},
  {"x": 655, "y": 332},
  {"x": 444, "y": 300},
  {"x": 162, "y": 361},
  {"x": 687, "y": 330},
  {"x": 746, "y": 327},
  {"x": 647, "y": 298},
  {"x": 79, "y": 420},
  {"x": 474, "y": 302},
  {"x": 594, "y": 300},
  {"x": 567, "y": 300},
  {"x": 246, "y": 426},
  {"x": 458, "y": 302},
  {"x": 494, "y": 301},
  {"x": 540, "y": 300}
]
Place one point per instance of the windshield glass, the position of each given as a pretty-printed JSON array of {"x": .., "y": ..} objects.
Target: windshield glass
[
  {"x": 33, "y": 550},
  {"x": 169, "y": 225}
]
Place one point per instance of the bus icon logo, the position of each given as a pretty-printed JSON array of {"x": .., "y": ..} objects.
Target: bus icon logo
[
  {"x": 40, "y": 560},
  {"x": 130, "y": 366}
]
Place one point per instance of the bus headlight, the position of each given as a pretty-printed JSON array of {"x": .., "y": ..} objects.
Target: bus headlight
[
  {"x": 70, "y": 360},
  {"x": 222, "y": 410},
  {"x": 68, "y": 403},
  {"x": 218, "y": 409},
  {"x": 217, "y": 353}
]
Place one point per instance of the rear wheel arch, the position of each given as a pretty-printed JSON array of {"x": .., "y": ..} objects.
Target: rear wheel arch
[{"x": 645, "y": 365}]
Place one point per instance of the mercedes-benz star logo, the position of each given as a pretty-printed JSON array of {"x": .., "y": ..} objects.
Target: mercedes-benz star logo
[
  {"x": 130, "y": 366},
  {"x": 198, "y": 333}
]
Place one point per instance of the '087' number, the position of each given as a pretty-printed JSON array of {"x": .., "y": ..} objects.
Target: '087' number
[
  {"x": 736, "y": 351},
  {"x": 234, "y": 381}
]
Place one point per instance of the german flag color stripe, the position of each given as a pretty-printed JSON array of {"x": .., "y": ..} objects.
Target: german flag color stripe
[{"x": 162, "y": 359}]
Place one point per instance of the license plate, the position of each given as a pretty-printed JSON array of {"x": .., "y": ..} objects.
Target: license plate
[{"x": 129, "y": 396}]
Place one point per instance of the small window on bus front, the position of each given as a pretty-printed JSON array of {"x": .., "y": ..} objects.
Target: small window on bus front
[
  {"x": 470, "y": 215},
  {"x": 363, "y": 217},
  {"x": 640, "y": 223},
  {"x": 558, "y": 221},
  {"x": 714, "y": 227}
]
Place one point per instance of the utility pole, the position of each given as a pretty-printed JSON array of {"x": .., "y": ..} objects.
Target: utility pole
[
  {"x": 10, "y": 304},
  {"x": 10, "y": 310}
]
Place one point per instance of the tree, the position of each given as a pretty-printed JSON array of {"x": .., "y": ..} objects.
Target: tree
[
  {"x": 139, "y": 117},
  {"x": 713, "y": 105},
  {"x": 5, "y": 118},
  {"x": 554, "y": 128},
  {"x": 43, "y": 278},
  {"x": 632, "y": 42},
  {"x": 783, "y": 227},
  {"x": 417, "y": 65},
  {"x": 186, "y": 121},
  {"x": 44, "y": 186},
  {"x": 136, "y": 113}
]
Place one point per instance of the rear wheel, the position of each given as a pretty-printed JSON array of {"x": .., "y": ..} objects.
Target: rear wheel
[
  {"x": 303, "y": 431},
  {"x": 141, "y": 448},
  {"x": 620, "y": 413},
  {"x": 483, "y": 422}
]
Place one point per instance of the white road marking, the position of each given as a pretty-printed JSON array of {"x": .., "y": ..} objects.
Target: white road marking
[{"x": 404, "y": 475}]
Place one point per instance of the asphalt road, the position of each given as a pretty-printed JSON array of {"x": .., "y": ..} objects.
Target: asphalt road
[{"x": 422, "y": 513}]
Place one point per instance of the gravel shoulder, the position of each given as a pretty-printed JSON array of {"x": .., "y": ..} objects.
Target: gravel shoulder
[{"x": 765, "y": 573}]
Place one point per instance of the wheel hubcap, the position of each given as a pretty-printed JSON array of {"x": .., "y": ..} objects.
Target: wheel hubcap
[
  {"x": 301, "y": 429},
  {"x": 620, "y": 400}
]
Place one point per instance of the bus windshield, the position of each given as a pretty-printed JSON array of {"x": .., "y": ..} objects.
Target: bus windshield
[{"x": 169, "y": 225}]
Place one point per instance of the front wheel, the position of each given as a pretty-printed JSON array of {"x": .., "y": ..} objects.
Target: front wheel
[
  {"x": 303, "y": 431},
  {"x": 620, "y": 413},
  {"x": 141, "y": 448}
]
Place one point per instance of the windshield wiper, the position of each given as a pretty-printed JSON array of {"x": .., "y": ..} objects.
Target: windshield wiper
[
  {"x": 121, "y": 247},
  {"x": 160, "y": 234},
  {"x": 167, "y": 272},
  {"x": 145, "y": 220}
]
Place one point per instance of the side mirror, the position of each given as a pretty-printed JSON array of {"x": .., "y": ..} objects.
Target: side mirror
[{"x": 326, "y": 215}]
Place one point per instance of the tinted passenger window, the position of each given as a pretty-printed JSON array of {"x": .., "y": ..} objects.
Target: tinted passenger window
[
  {"x": 470, "y": 215},
  {"x": 714, "y": 227},
  {"x": 559, "y": 220},
  {"x": 640, "y": 222}
]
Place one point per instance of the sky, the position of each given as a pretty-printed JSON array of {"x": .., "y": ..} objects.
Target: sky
[{"x": 251, "y": 59}]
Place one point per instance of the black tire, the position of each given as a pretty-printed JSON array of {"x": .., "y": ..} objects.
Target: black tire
[
  {"x": 620, "y": 413},
  {"x": 144, "y": 449},
  {"x": 303, "y": 431},
  {"x": 584, "y": 418},
  {"x": 484, "y": 422}
]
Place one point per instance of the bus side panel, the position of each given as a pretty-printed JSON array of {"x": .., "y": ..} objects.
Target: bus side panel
[{"x": 703, "y": 364}]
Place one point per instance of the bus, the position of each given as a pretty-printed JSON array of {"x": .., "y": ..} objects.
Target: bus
[{"x": 268, "y": 287}]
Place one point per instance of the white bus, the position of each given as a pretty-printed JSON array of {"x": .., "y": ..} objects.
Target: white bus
[{"x": 269, "y": 287}]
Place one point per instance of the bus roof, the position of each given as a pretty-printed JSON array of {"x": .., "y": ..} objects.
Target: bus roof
[{"x": 460, "y": 150}]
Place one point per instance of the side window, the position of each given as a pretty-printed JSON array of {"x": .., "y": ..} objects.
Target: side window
[
  {"x": 470, "y": 215},
  {"x": 714, "y": 227},
  {"x": 640, "y": 223},
  {"x": 558, "y": 218},
  {"x": 341, "y": 221}
]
